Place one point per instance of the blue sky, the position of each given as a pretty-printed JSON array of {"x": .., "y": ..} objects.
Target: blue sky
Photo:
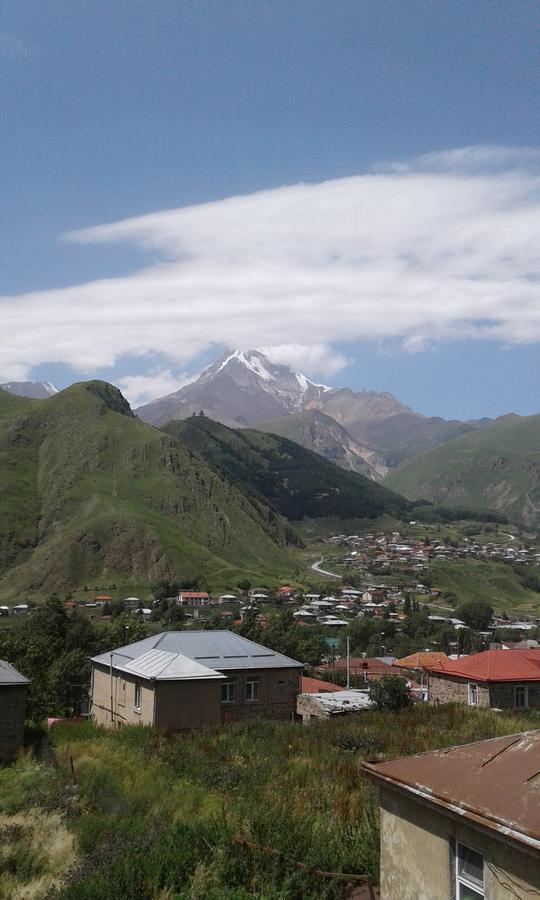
[{"x": 116, "y": 111}]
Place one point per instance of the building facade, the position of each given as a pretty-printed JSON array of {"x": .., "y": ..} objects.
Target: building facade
[
  {"x": 461, "y": 824},
  {"x": 502, "y": 679},
  {"x": 184, "y": 680}
]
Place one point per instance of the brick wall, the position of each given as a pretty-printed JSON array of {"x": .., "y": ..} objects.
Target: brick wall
[
  {"x": 12, "y": 708},
  {"x": 502, "y": 695}
]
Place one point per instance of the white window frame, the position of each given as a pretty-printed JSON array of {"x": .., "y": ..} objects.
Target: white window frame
[
  {"x": 462, "y": 880},
  {"x": 138, "y": 694},
  {"x": 230, "y": 687},
  {"x": 472, "y": 687},
  {"x": 525, "y": 689},
  {"x": 253, "y": 681}
]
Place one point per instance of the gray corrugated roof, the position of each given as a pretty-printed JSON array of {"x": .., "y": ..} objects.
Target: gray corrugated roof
[
  {"x": 9, "y": 675},
  {"x": 165, "y": 666},
  {"x": 217, "y": 650}
]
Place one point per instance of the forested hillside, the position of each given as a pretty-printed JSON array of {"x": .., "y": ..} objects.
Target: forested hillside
[{"x": 297, "y": 482}]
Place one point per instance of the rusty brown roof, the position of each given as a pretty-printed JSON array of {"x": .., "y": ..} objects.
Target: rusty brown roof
[{"x": 495, "y": 783}]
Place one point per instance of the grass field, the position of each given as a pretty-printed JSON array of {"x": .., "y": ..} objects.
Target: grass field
[
  {"x": 134, "y": 814},
  {"x": 494, "y": 582}
]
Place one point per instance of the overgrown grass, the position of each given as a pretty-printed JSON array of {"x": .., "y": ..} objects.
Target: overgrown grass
[{"x": 155, "y": 816}]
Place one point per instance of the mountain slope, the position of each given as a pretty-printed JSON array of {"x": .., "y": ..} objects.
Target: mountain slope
[
  {"x": 497, "y": 468},
  {"x": 36, "y": 390},
  {"x": 322, "y": 434},
  {"x": 241, "y": 388},
  {"x": 245, "y": 388},
  {"x": 87, "y": 490},
  {"x": 379, "y": 421},
  {"x": 295, "y": 481}
]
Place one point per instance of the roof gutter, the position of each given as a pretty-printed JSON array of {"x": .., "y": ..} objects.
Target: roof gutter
[{"x": 493, "y": 823}]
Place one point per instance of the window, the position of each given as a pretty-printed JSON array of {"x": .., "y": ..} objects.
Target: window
[
  {"x": 469, "y": 873},
  {"x": 253, "y": 687},
  {"x": 473, "y": 694},
  {"x": 228, "y": 691},
  {"x": 137, "y": 704},
  {"x": 521, "y": 696}
]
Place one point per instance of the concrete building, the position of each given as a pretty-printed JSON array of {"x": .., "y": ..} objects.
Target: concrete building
[
  {"x": 462, "y": 823},
  {"x": 192, "y": 679},
  {"x": 13, "y": 688},
  {"x": 503, "y": 679}
]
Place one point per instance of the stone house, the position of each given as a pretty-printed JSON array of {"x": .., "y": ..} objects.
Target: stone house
[
  {"x": 461, "y": 823},
  {"x": 503, "y": 679},
  {"x": 192, "y": 679},
  {"x": 13, "y": 688}
]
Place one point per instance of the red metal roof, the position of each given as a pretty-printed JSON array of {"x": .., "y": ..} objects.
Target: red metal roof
[
  {"x": 316, "y": 686},
  {"x": 493, "y": 665},
  {"x": 422, "y": 659},
  {"x": 194, "y": 595},
  {"x": 495, "y": 783}
]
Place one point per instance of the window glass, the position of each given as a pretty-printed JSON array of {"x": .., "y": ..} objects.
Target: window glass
[
  {"x": 473, "y": 694},
  {"x": 227, "y": 691},
  {"x": 468, "y": 893},
  {"x": 253, "y": 687},
  {"x": 520, "y": 696},
  {"x": 137, "y": 696},
  {"x": 470, "y": 865},
  {"x": 469, "y": 873}
]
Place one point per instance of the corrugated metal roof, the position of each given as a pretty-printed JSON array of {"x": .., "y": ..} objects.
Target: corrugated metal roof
[
  {"x": 495, "y": 782},
  {"x": 493, "y": 665},
  {"x": 317, "y": 686},
  {"x": 9, "y": 675},
  {"x": 162, "y": 665},
  {"x": 421, "y": 659},
  {"x": 216, "y": 650}
]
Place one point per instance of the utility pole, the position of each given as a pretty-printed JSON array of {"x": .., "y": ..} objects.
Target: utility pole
[{"x": 348, "y": 662}]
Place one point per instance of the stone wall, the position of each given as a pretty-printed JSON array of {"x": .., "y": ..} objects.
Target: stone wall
[
  {"x": 12, "y": 711},
  {"x": 449, "y": 689}
]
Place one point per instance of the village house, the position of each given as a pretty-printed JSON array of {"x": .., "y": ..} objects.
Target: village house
[
  {"x": 192, "y": 679},
  {"x": 193, "y": 598},
  {"x": 13, "y": 688},
  {"x": 503, "y": 679},
  {"x": 461, "y": 823}
]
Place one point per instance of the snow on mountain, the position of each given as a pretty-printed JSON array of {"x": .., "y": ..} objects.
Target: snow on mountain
[
  {"x": 35, "y": 390},
  {"x": 241, "y": 388}
]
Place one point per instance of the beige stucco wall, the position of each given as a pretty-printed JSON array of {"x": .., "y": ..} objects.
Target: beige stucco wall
[
  {"x": 417, "y": 844},
  {"x": 124, "y": 712}
]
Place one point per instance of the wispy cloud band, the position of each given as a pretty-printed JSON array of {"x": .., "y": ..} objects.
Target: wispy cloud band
[{"x": 441, "y": 248}]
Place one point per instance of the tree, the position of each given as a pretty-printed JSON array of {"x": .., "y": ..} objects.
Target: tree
[
  {"x": 390, "y": 692},
  {"x": 476, "y": 614}
]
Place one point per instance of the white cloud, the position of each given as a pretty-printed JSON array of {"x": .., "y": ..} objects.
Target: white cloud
[
  {"x": 435, "y": 251},
  {"x": 139, "y": 389},
  {"x": 310, "y": 359}
]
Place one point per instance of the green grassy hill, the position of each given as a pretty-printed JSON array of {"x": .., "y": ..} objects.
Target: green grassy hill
[
  {"x": 494, "y": 582},
  {"x": 495, "y": 468},
  {"x": 87, "y": 492},
  {"x": 297, "y": 482}
]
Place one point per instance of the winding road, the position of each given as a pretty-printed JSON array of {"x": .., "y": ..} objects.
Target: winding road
[{"x": 317, "y": 568}]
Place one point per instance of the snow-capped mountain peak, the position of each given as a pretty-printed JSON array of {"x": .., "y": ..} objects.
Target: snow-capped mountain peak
[
  {"x": 36, "y": 390},
  {"x": 241, "y": 388}
]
